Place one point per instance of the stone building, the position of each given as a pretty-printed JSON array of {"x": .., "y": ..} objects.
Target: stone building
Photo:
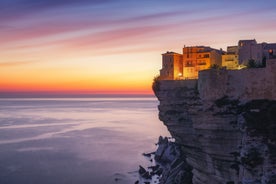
[
  {"x": 196, "y": 58},
  {"x": 172, "y": 66},
  {"x": 250, "y": 50},
  {"x": 270, "y": 51},
  {"x": 230, "y": 59},
  {"x": 186, "y": 66},
  {"x": 199, "y": 58}
]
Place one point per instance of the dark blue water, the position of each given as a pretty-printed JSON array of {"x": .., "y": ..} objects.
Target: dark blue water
[{"x": 77, "y": 140}]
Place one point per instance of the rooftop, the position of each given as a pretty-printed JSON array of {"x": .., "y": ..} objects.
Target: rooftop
[
  {"x": 171, "y": 53},
  {"x": 270, "y": 46}
]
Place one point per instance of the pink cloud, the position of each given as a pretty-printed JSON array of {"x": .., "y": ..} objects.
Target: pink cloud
[{"x": 15, "y": 63}]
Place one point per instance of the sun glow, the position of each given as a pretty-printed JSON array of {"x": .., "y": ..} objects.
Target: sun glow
[{"x": 108, "y": 47}]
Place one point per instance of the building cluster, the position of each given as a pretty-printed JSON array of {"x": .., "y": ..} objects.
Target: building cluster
[{"x": 195, "y": 58}]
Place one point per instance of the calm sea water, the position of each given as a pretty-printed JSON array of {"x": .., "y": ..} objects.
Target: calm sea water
[{"x": 77, "y": 140}]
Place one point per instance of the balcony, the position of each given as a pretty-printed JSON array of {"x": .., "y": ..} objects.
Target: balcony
[
  {"x": 228, "y": 60},
  {"x": 203, "y": 63},
  {"x": 189, "y": 65}
]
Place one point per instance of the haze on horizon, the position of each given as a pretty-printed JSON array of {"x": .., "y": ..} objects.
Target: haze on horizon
[{"x": 112, "y": 47}]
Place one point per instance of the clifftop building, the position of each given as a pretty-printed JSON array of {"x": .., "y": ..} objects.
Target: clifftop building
[
  {"x": 249, "y": 49},
  {"x": 186, "y": 66},
  {"x": 199, "y": 58},
  {"x": 230, "y": 59},
  {"x": 196, "y": 58},
  {"x": 172, "y": 66}
]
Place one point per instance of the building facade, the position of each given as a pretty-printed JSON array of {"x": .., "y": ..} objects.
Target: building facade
[
  {"x": 250, "y": 50},
  {"x": 172, "y": 66},
  {"x": 230, "y": 59},
  {"x": 196, "y": 58},
  {"x": 199, "y": 58},
  {"x": 186, "y": 66},
  {"x": 270, "y": 51}
]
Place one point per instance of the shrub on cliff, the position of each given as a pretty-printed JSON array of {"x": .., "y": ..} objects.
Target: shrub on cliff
[
  {"x": 251, "y": 63},
  {"x": 156, "y": 84},
  {"x": 254, "y": 64}
]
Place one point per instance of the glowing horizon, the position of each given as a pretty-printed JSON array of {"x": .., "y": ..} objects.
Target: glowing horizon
[{"x": 114, "y": 46}]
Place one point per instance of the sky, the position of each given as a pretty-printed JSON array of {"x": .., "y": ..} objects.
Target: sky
[{"x": 115, "y": 46}]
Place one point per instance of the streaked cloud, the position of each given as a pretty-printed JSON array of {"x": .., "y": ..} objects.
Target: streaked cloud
[
  {"x": 15, "y": 63},
  {"x": 63, "y": 39},
  {"x": 16, "y": 9}
]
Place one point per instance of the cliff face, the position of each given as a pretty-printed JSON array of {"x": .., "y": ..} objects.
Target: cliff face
[{"x": 227, "y": 137}]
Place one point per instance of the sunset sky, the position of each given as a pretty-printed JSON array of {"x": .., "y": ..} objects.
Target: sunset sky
[{"x": 115, "y": 46}]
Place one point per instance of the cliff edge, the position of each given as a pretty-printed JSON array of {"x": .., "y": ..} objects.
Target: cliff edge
[{"x": 225, "y": 124}]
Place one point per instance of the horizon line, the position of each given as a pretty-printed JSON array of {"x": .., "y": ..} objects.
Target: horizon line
[{"x": 51, "y": 94}]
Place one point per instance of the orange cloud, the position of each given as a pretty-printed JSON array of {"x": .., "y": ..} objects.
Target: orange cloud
[{"x": 15, "y": 63}]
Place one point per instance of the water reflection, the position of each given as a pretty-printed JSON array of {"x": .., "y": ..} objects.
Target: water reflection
[{"x": 76, "y": 140}]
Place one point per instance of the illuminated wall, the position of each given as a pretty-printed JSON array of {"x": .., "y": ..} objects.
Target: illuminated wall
[
  {"x": 196, "y": 58},
  {"x": 199, "y": 58},
  {"x": 230, "y": 61},
  {"x": 172, "y": 66}
]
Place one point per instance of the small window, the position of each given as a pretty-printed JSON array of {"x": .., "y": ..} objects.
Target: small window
[{"x": 206, "y": 55}]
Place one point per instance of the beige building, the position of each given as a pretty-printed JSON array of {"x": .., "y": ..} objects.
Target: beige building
[
  {"x": 230, "y": 59},
  {"x": 199, "y": 58},
  {"x": 172, "y": 66},
  {"x": 196, "y": 58},
  {"x": 186, "y": 66}
]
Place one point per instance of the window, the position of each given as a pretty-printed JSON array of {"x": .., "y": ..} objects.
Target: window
[
  {"x": 206, "y": 55},
  {"x": 189, "y": 63},
  {"x": 201, "y": 63}
]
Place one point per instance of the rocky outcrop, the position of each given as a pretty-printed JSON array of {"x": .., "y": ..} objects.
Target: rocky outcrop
[
  {"x": 173, "y": 163},
  {"x": 169, "y": 165},
  {"x": 225, "y": 140}
]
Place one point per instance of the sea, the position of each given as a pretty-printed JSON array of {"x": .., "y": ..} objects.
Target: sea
[{"x": 97, "y": 140}]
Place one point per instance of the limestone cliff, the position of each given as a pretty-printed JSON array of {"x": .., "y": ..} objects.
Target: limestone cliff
[{"x": 227, "y": 133}]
